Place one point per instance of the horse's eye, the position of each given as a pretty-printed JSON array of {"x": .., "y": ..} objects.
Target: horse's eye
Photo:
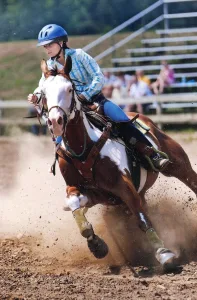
[{"x": 70, "y": 90}]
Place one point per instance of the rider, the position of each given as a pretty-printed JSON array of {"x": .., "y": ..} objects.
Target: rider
[{"x": 89, "y": 81}]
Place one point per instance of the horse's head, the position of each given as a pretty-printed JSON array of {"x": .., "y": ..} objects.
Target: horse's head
[{"x": 58, "y": 91}]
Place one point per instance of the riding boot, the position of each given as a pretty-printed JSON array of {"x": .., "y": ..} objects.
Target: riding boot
[
  {"x": 135, "y": 138},
  {"x": 157, "y": 159}
]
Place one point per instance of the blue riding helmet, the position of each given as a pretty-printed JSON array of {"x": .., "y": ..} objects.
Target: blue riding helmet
[{"x": 51, "y": 33}]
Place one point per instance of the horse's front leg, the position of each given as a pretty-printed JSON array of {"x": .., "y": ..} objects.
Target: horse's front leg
[
  {"x": 129, "y": 195},
  {"x": 77, "y": 202}
]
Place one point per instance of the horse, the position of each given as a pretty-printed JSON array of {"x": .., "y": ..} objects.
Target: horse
[{"x": 95, "y": 166}]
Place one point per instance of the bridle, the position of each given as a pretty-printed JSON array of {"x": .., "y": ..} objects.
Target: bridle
[{"x": 65, "y": 115}]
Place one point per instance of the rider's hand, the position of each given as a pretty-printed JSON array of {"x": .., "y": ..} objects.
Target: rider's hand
[
  {"x": 32, "y": 98},
  {"x": 82, "y": 98}
]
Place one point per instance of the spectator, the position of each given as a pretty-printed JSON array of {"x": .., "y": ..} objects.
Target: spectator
[
  {"x": 142, "y": 77},
  {"x": 165, "y": 78},
  {"x": 122, "y": 84},
  {"x": 138, "y": 89},
  {"x": 108, "y": 87}
]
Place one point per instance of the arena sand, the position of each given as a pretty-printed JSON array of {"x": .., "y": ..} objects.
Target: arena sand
[{"x": 32, "y": 203}]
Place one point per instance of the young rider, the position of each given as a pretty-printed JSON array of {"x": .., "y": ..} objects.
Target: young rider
[{"x": 89, "y": 81}]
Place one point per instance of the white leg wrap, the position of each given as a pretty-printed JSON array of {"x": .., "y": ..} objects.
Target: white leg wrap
[
  {"x": 83, "y": 200},
  {"x": 75, "y": 202}
]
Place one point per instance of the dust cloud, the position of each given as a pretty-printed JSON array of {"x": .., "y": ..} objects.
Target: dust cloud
[{"x": 32, "y": 203}]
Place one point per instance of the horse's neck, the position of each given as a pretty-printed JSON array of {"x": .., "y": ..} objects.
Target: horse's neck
[{"x": 78, "y": 132}]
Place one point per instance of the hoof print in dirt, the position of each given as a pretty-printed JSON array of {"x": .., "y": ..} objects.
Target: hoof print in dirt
[{"x": 98, "y": 247}]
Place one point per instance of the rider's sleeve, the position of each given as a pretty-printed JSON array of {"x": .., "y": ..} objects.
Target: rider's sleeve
[
  {"x": 94, "y": 71},
  {"x": 38, "y": 90}
]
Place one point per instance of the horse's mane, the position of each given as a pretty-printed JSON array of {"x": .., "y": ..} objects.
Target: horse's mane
[{"x": 54, "y": 72}]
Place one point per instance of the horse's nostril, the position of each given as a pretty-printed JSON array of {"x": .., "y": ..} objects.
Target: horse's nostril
[{"x": 60, "y": 121}]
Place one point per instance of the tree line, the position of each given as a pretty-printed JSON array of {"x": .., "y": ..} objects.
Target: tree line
[{"x": 22, "y": 19}]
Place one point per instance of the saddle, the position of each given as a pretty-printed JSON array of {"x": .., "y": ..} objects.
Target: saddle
[
  {"x": 110, "y": 130},
  {"x": 134, "y": 159},
  {"x": 100, "y": 121}
]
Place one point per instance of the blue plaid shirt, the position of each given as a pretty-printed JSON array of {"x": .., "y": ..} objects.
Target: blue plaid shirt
[{"x": 86, "y": 73}]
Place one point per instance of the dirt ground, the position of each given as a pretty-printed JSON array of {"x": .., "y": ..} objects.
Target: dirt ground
[{"x": 43, "y": 256}]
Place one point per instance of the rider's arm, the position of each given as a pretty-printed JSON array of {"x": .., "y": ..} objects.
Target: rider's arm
[
  {"x": 37, "y": 96},
  {"x": 38, "y": 90},
  {"x": 94, "y": 72}
]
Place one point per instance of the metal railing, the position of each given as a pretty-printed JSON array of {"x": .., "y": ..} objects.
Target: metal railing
[
  {"x": 182, "y": 100},
  {"x": 130, "y": 37},
  {"x": 165, "y": 17},
  {"x": 123, "y": 25}
]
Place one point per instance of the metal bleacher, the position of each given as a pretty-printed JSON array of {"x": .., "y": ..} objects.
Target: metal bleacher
[{"x": 175, "y": 44}]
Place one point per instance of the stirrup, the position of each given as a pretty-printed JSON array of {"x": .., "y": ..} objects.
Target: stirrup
[{"x": 156, "y": 162}]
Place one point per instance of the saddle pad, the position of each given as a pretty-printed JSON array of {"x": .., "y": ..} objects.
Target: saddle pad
[{"x": 141, "y": 126}]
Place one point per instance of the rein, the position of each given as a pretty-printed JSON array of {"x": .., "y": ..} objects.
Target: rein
[
  {"x": 72, "y": 152},
  {"x": 85, "y": 168}
]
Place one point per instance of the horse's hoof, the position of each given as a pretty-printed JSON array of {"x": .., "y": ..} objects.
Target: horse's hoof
[
  {"x": 98, "y": 247},
  {"x": 167, "y": 259}
]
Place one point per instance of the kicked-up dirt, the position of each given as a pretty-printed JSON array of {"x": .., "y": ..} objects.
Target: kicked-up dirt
[{"x": 43, "y": 256}]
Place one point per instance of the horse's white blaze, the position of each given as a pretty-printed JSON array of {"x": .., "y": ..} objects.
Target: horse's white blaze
[{"x": 58, "y": 91}]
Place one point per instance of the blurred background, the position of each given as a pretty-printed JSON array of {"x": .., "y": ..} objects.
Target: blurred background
[
  {"x": 146, "y": 49},
  {"x": 147, "y": 52}
]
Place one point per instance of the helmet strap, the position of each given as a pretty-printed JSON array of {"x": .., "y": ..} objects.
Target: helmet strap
[{"x": 57, "y": 56}]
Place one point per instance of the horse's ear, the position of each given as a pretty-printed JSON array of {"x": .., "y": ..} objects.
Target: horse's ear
[
  {"x": 68, "y": 65},
  {"x": 44, "y": 67}
]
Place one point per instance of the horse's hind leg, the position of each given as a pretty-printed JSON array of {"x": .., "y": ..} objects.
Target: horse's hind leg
[
  {"x": 181, "y": 167},
  {"x": 129, "y": 195}
]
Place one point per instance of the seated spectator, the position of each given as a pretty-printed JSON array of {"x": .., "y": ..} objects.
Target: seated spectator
[
  {"x": 142, "y": 77},
  {"x": 165, "y": 78},
  {"x": 121, "y": 85},
  {"x": 109, "y": 78},
  {"x": 108, "y": 87},
  {"x": 137, "y": 90}
]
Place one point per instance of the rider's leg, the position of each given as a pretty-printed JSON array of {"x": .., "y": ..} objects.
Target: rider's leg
[{"x": 131, "y": 135}]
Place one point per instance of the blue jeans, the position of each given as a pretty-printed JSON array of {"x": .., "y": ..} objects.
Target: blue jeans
[
  {"x": 113, "y": 111},
  {"x": 127, "y": 129}
]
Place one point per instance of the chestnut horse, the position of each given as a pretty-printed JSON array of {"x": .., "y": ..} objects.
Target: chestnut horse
[{"x": 95, "y": 166}]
